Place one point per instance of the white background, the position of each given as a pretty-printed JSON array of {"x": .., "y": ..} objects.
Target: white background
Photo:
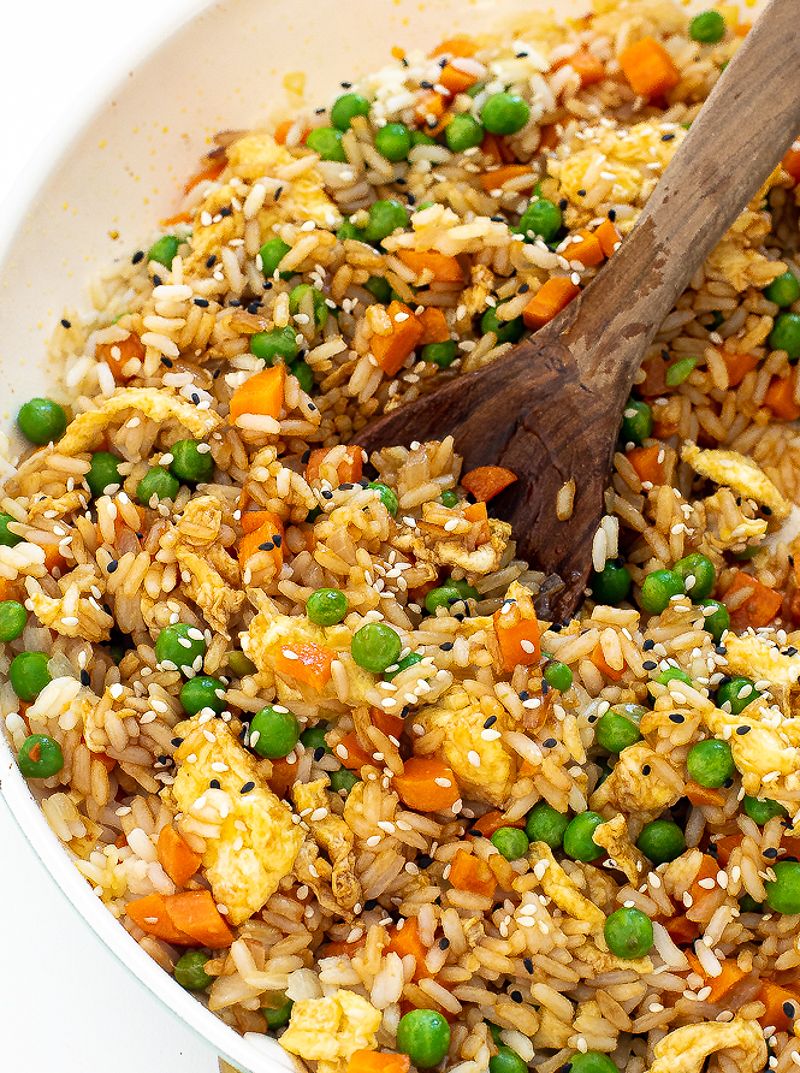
[{"x": 66, "y": 1004}]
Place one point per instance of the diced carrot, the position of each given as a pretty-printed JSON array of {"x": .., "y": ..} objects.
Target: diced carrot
[
  {"x": 760, "y": 607},
  {"x": 682, "y": 930},
  {"x": 738, "y": 366},
  {"x": 492, "y": 821},
  {"x": 518, "y": 636},
  {"x": 436, "y": 267},
  {"x": 654, "y": 384},
  {"x": 357, "y": 756},
  {"x": 284, "y": 775},
  {"x": 261, "y": 395},
  {"x": 608, "y": 237},
  {"x": 176, "y": 856},
  {"x": 390, "y": 351},
  {"x": 195, "y": 913},
  {"x": 150, "y": 914},
  {"x": 348, "y": 471},
  {"x": 116, "y": 355},
  {"x": 663, "y": 428},
  {"x": 427, "y": 785},
  {"x": 461, "y": 45},
  {"x": 599, "y": 660},
  {"x": 498, "y": 177},
  {"x": 720, "y": 985},
  {"x": 470, "y": 873},
  {"x": 790, "y": 846},
  {"x": 306, "y": 662},
  {"x": 390, "y": 725},
  {"x": 177, "y": 218},
  {"x": 476, "y": 512},
  {"x": 405, "y": 941},
  {"x": 8, "y": 589},
  {"x": 434, "y": 326},
  {"x": 263, "y": 539},
  {"x": 587, "y": 250},
  {"x": 397, "y": 52},
  {"x": 780, "y": 397},
  {"x": 704, "y": 795},
  {"x": 282, "y": 130},
  {"x": 378, "y": 1062},
  {"x": 212, "y": 170},
  {"x": 254, "y": 519},
  {"x": 497, "y": 150},
  {"x": 649, "y": 69},
  {"x": 725, "y": 847},
  {"x": 554, "y": 295},
  {"x": 648, "y": 463},
  {"x": 346, "y": 948},
  {"x": 777, "y": 1001},
  {"x": 586, "y": 65},
  {"x": 431, "y": 106},
  {"x": 742, "y": 29},
  {"x": 454, "y": 80},
  {"x": 486, "y": 482},
  {"x": 53, "y": 559},
  {"x": 549, "y": 137},
  {"x": 108, "y": 762},
  {"x": 708, "y": 870},
  {"x": 791, "y": 162}
]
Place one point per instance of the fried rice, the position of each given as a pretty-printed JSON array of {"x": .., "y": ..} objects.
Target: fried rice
[{"x": 358, "y": 873}]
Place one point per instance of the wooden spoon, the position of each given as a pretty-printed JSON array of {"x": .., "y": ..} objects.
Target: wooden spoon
[{"x": 550, "y": 408}]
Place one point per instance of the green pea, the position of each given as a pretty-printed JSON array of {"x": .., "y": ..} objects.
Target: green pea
[
  {"x": 103, "y": 472},
  {"x": 380, "y": 288},
  {"x": 164, "y": 250},
  {"x": 475, "y": 89},
  {"x": 202, "y": 692},
  {"x": 272, "y": 253},
  {"x": 708, "y": 27},
  {"x": 29, "y": 675},
  {"x": 761, "y": 809},
  {"x": 387, "y": 496},
  {"x": 393, "y": 142},
  {"x": 510, "y": 842},
  {"x": 785, "y": 335},
  {"x": 507, "y": 331},
  {"x": 446, "y": 596},
  {"x": 298, "y": 296},
  {"x": 558, "y": 675},
  {"x": 545, "y": 824},
  {"x": 578, "y": 841},
  {"x": 411, "y": 660},
  {"x": 629, "y": 933},
  {"x": 190, "y": 970},
  {"x": 348, "y": 230},
  {"x": 637, "y": 422},
  {"x": 326, "y": 607},
  {"x": 327, "y": 142},
  {"x": 278, "y": 1016},
  {"x": 658, "y": 588},
  {"x": 240, "y": 664},
  {"x": 375, "y": 647},
  {"x": 507, "y": 1061},
  {"x": 7, "y": 538},
  {"x": 303, "y": 374},
  {"x": 750, "y": 905},
  {"x": 419, "y": 137},
  {"x": 424, "y": 1035},
  {"x": 463, "y": 132},
  {"x": 342, "y": 781},
  {"x": 783, "y": 892},
  {"x": 157, "y": 484},
  {"x": 698, "y": 575},
  {"x": 313, "y": 738},
  {"x": 710, "y": 763},
  {"x": 191, "y": 462},
  {"x": 274, "y": 732},
  {"x": 42, "y": 421},
  {"x": 592, "y": 1062},
  {"x": 181, "y": 647},
  {"x": 276, "y": 344},
  {"x": 541, "y": 218},
  {"x": 679, "y": 371},
  {"x": 734, "y": 694},
  {"x": 449, "y": 498},
  {"x": 673, "y": 674},
  {"x": 40, "y": 757},
  {"x": 441, "y": 354},
  {"x": 661, "y": 841},
  {"x": 616, "y": 730},
  {"x": 385, "y": 217},
  {"x": 346, "y": 108},
  {"x": 12, "y": 620},
  {"x": 716, "y": 618},
  {"x": 784, "y": 289},
  {"x": 612, "y": 584},
  {"x": 505, "y": 113}
]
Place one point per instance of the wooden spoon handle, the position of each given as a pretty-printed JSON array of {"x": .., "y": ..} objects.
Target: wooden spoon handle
[{"x": 749, "y": 120}]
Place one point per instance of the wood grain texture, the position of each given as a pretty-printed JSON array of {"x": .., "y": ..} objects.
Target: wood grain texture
[{"x": 550, "y": 408}]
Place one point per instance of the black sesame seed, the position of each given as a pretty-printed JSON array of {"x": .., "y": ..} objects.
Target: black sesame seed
[
  {"x": 202, "y": 302},
  {"x": 248, "y": 786},
  {"x": 524, "y": 288},
  {"x": 524, "y": 695},
  {"x": 446, "y": 646},
  {"x": 766, "y": 510},
  {"x": 675, "y": 717},
  {"x": 326, "y": 494},
  {"x": 549, "y": 743},
  {"x": 424, "y": 84},
  {"x": 214, "y": 784},
  {"x": 770, "y": 853},
  {"x": 581, "y": 193},
  {"x": 226, "y": 211},
  {"x": 545, "y": 687},
  {"x": 612, "y": 215},
  {"x": 649, "y": 664},
  {"x": 277, "y": 194},
  {"x": 563, "y": 203},
  {"x": 319, "y": 752},
  {"x": 319, "y": 111},
  {"x": 211, "y": 261},
  {"x": 304, "y": 457},
  {"x": 163, "y": 759},
  {"x": 521, "y": 55},
  {"x": 176, "y": 742},
  {"x": 137, "y": 257},
  {"x": 721, "y": 650},
  {"x": 649, "y": 645},
  {"x": 167, "y": 362},
  {"x": 112, "y": 566},
  {"x": 445, "y": 943},
  {"x": 424, "y": 861},
  {"x": 667, "y": 137},
  {"x": 157, "y": 281},
  {"x": 515, "y": 996},
  {"x": 235, "y": 302},
  {"x": 788, "y": 1009},
  {"x": 528, "y": 963},
  {"x": 65, "y": 323},
  {"x": 195, "y": 398},
  {"x": 646, "y": 769},
  {"x": 277, "y": 539},
  {"x": 741, "y": 731},
  {"x": 370, "y": 904},
  {"x": 266, "y": 546},
  {"x": 254, "y": 307},
  {"x": 85, "y": 679},
  {"x": 347, "y": 85},
  {"x": 490, "y": 722}
]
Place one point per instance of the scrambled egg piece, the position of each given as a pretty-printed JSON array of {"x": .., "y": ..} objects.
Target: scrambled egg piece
[
  {"x": 614, "y": 838},
  {"x": 58, "y": 505},
  {"x": 562, "y": 890},
  {"x": 257, "y": 840},
  {"x": 771, "y": 744},
  {"x": 334, "y": 837},
  {"x": 686, "y": 1049},
  {"x": 739, "y": 473},
  {"x": 718, "y": 507},
  {"x": 330, "y": 1030},
  {"x": 757, "y": 656},
  {"x": 212, "y": 572},
  {"x": 629, "y": 789},
  {"x": 485, "y": 769},
  {"x": 76, "y": 613},
  {"x": 156, "y": 403}
]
